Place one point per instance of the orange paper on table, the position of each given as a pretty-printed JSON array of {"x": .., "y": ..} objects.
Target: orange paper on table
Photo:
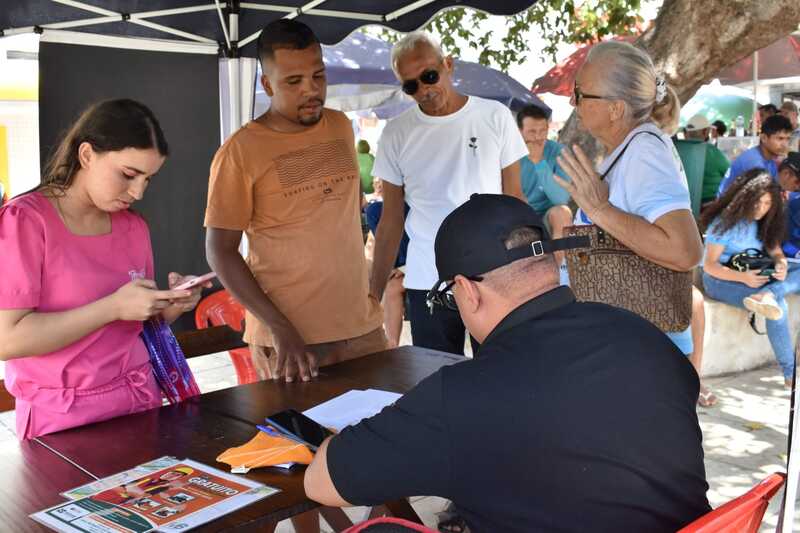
[{"x": 266, "y": 450}]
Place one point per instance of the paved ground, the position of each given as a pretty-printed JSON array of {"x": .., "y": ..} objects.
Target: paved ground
[{"x": 744, "y": 435}]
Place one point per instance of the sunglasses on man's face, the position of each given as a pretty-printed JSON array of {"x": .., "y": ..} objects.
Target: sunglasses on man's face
[{"x": 428, "y": 77}]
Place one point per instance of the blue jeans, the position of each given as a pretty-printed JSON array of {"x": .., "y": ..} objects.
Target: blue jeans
[{"x": 733, "y": 292}]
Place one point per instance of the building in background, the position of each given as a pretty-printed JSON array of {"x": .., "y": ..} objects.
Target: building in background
[{"x": 19, "y": 114}]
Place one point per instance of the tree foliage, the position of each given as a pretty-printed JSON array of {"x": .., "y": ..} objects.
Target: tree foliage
[{"x": 557, "y": 21}]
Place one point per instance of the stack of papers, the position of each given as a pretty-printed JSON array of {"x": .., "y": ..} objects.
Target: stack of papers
[{"x": 351, "y": 408}]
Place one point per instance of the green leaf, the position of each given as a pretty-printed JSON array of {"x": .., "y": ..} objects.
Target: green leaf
[{"x": 557, "y": 21}]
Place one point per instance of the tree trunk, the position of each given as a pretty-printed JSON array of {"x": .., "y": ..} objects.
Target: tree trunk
[{"x": 691, "y": 41}]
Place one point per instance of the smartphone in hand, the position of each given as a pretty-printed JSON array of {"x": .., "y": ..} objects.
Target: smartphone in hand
[{"x": 195, "y": 282}]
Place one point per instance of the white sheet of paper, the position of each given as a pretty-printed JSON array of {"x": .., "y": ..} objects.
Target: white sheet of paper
[{"x": 351, "y": 407}]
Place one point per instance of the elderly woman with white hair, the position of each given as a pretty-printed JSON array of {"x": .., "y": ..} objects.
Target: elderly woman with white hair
[{"x": 639, "y": 194}]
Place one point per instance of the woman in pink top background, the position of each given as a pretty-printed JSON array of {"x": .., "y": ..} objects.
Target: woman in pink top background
[{"x": 77, "y": 278}]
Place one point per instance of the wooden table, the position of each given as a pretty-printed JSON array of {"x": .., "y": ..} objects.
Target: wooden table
[
  {"x": 202, "y": 428},
  {"x": 31, "y": 478},
  {"x": 395, "y": 370}
]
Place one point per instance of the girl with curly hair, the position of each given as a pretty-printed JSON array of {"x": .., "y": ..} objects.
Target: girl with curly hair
[{"x": 750, "y": 214}]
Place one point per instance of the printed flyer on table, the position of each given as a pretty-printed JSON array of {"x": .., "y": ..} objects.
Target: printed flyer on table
[{"x": 179, "y": 495}]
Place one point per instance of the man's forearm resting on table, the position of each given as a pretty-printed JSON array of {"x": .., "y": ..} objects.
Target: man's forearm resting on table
[
  {"x": 318, "y": 483},
  {"x": 672, "y": 241}
]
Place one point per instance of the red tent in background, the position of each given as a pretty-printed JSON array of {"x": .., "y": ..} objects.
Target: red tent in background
[
  {"x": 781, "y": 59},
  {"x": 559, "y": 79}
]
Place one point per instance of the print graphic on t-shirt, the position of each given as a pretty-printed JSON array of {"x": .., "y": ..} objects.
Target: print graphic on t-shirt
[
  {"x": 473, "y": 143},
  {"x": 316, "y": 162}
]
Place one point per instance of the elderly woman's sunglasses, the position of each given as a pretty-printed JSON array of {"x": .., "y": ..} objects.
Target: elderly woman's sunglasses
[
  {"x": 579, "y": 95},
  {"x": 428, "y": 77}
]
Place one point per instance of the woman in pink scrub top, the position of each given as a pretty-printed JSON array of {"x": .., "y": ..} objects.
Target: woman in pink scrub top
[{"x": 77, "y": 278}]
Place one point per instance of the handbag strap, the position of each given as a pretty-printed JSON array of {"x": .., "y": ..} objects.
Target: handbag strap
[{"x": 622, "y": 152}]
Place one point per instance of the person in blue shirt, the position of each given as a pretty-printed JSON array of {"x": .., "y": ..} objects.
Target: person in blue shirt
[
  {"x": 789, "y": 180},
  {"x": 750, "y": 215},
  {"x": 773, "y": 146},
  {"x": 544, "y": 195}
]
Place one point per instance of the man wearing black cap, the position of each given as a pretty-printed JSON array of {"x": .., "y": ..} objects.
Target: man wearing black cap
[{"x": 538, "y": 432}]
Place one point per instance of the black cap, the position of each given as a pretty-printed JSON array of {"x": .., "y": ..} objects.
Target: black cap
[
  {"x": 471, "y": 240},
  {"x": 792, "y": 162}
]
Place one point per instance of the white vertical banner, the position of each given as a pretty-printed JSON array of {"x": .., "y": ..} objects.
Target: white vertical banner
[
  {"x": 755, "y": 95},
  {"x": 237, "y": 78},
  {"x": 248, "y": 68}
]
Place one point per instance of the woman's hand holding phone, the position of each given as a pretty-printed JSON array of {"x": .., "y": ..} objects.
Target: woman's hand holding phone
[
  {"x": 781, "y": 269},
  {"x": 140, "y": 299},
  {"x": 194, "y": 285}
]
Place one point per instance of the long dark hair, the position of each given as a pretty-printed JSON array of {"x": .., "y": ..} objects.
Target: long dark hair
[
  {"x": 738, "y": 204},
  {"x": 109, "y": 126}
]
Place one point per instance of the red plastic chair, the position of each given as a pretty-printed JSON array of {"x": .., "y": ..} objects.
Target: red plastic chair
[
  {"x": 219, "y": 309},
  {"x": 388, "y": 524},
  {"x": 742, "y": 515}
]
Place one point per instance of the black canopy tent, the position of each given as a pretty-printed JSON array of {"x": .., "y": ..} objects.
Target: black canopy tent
[
  {"x": 192, "y": 62},
  {"x": 229, "y": 28},
  {"x": 223, "y": 22}
]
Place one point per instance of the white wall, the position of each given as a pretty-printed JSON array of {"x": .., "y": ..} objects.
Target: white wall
[{"x": 21, "y": 119}]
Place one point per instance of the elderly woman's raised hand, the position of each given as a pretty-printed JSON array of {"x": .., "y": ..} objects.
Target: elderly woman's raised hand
[{"x": 585, "y": 187}]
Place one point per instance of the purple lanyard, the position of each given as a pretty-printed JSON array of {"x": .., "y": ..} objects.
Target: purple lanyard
[{"x": 169, "y": 364}]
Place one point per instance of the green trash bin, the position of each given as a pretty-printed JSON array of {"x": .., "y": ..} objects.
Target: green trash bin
[{"x": 693, "y": 157}]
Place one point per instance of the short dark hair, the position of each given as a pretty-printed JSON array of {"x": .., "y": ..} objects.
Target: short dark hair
[
  {"x": 287, "y": 34},
  {"x": 770, "y": 108},
  {"x": 720, "y": 127},
  {"x": 531, "y": 111},
  {"x": 776, "y": 124}
]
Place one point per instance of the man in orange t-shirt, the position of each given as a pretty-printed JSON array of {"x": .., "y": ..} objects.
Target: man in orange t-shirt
[{"x": 290, "y": 181}]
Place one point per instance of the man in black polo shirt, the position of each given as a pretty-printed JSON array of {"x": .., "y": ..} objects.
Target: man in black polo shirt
[{"x": 572, "y": 417}]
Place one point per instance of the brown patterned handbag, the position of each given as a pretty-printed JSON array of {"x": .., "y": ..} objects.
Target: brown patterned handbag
[{"x": 611, "y": 273}]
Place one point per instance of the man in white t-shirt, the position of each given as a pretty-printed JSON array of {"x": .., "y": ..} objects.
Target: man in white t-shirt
[{"x": 434, "y": 156}]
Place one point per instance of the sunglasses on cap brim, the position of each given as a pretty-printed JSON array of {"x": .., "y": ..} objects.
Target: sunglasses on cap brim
[{"x": 428, "y": 77}]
